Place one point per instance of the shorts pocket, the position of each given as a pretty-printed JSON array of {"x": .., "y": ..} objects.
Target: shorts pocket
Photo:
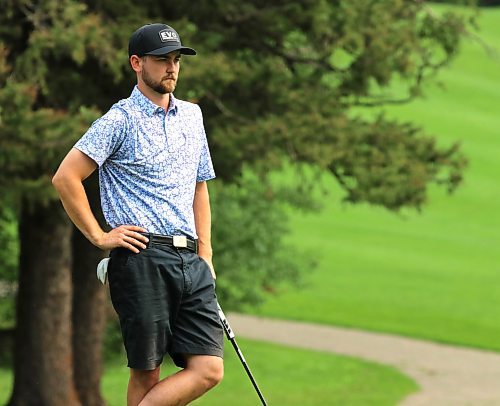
[{"x": 205, "y": 265}]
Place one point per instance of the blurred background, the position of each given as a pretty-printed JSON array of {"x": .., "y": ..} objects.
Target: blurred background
[{"x": 356, "y": 148}]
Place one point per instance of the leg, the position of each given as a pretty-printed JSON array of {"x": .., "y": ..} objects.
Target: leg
[
  {"x": 140, "y": 383},
  {"x": 202, "y": 373}
]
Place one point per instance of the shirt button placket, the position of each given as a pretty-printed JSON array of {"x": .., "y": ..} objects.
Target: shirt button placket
[{"x": 165, "y": 129}]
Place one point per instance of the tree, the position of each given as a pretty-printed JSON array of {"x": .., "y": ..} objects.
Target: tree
[
  {"x": 43, "y": 357},
  {"x": 278, "y": 83},
  {"x": 283, "y": 82},
  {"x": 307, "y": 65},
  {"x": 39, "y": 124}
]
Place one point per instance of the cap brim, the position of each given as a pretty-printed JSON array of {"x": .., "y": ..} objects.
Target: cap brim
[{"x": 166, "y": 50}]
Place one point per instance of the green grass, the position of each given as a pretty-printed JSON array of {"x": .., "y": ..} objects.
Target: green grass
[
  {"x": 286, "y": 377},
  {"x": 434, "y": 275}
]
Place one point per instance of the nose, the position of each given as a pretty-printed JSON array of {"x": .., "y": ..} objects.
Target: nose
[{"x": 170, "y": 66}]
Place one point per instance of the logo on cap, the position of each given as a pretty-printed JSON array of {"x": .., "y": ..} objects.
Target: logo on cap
[{"x": 167, "y": 35}]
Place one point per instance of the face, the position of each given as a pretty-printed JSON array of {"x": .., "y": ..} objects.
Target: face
[{"x": 160, "y": 73}]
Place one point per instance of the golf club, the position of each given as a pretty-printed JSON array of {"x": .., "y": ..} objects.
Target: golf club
[{"x": 231, "y": 337}]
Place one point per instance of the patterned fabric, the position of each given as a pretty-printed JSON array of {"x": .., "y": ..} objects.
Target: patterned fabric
[{"x": 149, "y": 162}]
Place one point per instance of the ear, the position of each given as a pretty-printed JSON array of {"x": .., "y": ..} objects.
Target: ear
[{"x": 136, "y": 63}]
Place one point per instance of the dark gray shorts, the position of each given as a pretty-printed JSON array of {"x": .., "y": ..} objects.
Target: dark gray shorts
[{"x": 165, "y": 300}]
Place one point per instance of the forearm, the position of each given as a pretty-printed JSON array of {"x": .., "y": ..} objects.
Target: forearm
[{"x": 203, "y": 220}]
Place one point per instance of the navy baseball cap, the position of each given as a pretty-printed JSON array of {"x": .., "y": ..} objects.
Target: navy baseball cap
[{"x": 156, "y": 39}]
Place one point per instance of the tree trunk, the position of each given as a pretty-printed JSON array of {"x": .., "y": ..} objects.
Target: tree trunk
[
  {"x": 89, "y": 310},
  {"x": 43, "y": 358}
]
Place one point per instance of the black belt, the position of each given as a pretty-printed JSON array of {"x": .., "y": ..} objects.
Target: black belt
[{"x": 177, "y": 241}]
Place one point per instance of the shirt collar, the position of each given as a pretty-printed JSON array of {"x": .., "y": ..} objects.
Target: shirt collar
[
  {"x": 172, "y": 107},
  {"x": 148, "y": 106}
]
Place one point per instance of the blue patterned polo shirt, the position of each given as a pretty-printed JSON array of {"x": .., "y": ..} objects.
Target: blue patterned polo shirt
[{"x": 149, "y": 162}]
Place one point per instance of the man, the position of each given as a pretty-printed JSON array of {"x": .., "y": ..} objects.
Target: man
[{"x": 153, "y": 160}]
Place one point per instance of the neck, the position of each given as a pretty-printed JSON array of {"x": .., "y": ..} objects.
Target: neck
[{"x": 162, "y": 100}]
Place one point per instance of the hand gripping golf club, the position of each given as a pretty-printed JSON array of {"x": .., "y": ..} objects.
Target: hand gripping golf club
[{"x": 230, "y": 337}]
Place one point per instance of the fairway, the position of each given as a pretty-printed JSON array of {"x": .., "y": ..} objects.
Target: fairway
[
  {"x": 288, "y": 377},
  {"x": 434, "y": 275}
]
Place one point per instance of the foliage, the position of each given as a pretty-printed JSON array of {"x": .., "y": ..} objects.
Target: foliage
[
  {"x": 38, "y": 124},
  {"x": 9, "y": 259},
  {"x": 8, "y": 242},
  {"x": 277, "y": 83},
  {"x": 482, "y": 3},
  {"x": 305, "y": 66},
  {"x": 252, "y": 258},
  {"x": 113, "y": 341}
]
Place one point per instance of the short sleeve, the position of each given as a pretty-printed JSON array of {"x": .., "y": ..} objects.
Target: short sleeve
[
  {"x": 205, "y": 167},
  {"x": 104, "y": 136}
]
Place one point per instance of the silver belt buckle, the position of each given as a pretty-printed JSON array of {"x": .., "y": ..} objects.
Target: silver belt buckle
[{"x": 180, "y": 241}]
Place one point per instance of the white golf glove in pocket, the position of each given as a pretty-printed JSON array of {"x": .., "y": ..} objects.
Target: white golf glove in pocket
[{"x": 102, "y": 270}]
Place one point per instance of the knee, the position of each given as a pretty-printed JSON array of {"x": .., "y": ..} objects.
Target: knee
[
  {"x": 144, "y": 378},
  {"x": 210, "y": 372},
  {"x": 214, "y": 374}
]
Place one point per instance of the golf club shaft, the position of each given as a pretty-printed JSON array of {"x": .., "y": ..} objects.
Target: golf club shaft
[{"x": 231, "y": 337}]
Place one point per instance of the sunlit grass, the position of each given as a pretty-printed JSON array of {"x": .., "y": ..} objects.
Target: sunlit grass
[{"x": 287, "y": 377}]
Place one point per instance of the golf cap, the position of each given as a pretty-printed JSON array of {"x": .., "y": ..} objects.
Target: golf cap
[{"x": 156, "y": 39}]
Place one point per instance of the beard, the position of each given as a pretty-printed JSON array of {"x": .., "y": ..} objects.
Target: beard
[{"x": 163, "y": 86}]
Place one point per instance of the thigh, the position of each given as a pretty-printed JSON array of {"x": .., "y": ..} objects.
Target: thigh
[
  {"x": 145, "y": 294},
  {"x": 198, "y": 329},
  {"x": 139, "y": 287}
]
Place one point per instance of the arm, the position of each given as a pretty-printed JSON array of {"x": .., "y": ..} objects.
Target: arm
[
  {"x": 203, "y": 223},
  {"x": 74, "y": 169}
]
